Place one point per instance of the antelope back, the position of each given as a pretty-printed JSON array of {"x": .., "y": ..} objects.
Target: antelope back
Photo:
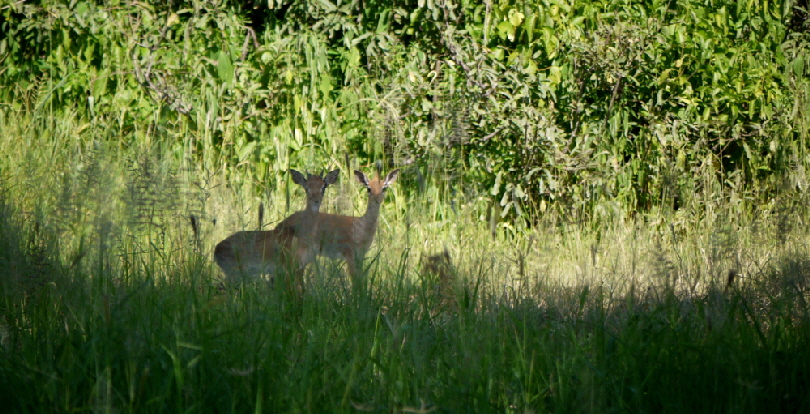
[{"x": 253, "y": 253}]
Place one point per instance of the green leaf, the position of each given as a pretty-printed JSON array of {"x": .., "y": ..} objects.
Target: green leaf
[
  {"x": 554, "y": 75},
  {"x": 506, "y": 204},
  {"x": 328, "y": 6},
  {"x": 515, "y": 17},
  {"x": 224, "y": 68},
  {"x": 100, "y": 84},
  {"x": 266, "y": 57},
  {"x": 519, "y": 193},
  {"x": 506, "y": 30},
  {"x": 497, "y": 187},
  {"x": 383, "y": 22},
  {"x": 325, "y": 85},
  {"x": 531, "y": 67},
  {"x": 798, "y": 66},
  {"x": 528, "y": 26},
  {"x": 246, "y": 151}
]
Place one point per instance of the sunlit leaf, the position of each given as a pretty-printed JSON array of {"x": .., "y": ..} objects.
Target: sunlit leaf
[
  {"x": 224, "y": 68},
  {"x": 506, "y": 30}
]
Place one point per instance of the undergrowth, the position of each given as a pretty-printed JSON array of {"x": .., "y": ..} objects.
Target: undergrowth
[{"x": 111, "y": 303}]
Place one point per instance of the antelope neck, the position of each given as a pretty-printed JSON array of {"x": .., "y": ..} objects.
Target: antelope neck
[{"x": 372, "y": 210}]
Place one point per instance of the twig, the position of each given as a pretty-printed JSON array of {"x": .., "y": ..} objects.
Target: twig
[
  {"x": 491, "y": 135},
  {"x": 613, "y": 95},
  {"x": 250, "y": 35}
]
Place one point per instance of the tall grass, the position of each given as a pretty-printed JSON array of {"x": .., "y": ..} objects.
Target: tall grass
[{"x": 110, "y": 303}]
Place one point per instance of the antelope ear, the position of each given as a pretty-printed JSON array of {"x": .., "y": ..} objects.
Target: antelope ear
[
  {"x": 361, "y": 178},
  {"x": 298, "y": 178},
  {"x": 392, "y": 176},
  {"x": 332, "y": 177}
]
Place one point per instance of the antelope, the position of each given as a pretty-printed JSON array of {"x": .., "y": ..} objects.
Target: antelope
[
  {"x": 346, "y": 237},
  {"x": 254, "y": 253},
  {"x": 440, "y": 269}
]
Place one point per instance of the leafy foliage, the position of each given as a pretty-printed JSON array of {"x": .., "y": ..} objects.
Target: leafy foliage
[
  {"x": 577, "y": 106},
  {"x": 119, "y": 120}
]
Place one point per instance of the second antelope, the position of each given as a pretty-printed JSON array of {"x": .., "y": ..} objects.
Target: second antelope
[
  {"x": 254, "y": 253},
  {"x": 347, "y": 237}
]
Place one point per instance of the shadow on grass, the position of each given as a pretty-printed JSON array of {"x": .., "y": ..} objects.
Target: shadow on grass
[{"x": 135, "y": 340}]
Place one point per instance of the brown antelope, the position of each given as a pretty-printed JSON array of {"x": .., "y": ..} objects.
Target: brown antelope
[
  {"x": 346, "y": 237},
  {"x": 442, "y": 278},
  {"x": 254, "y": 253}
]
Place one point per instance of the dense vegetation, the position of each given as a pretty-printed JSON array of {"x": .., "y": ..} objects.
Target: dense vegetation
[
  {"x": 541, "y": 103},
  {"x": 621, "y": 186}
]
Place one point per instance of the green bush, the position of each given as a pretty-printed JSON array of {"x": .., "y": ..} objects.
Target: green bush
[{"x": 581, "y": 107}]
